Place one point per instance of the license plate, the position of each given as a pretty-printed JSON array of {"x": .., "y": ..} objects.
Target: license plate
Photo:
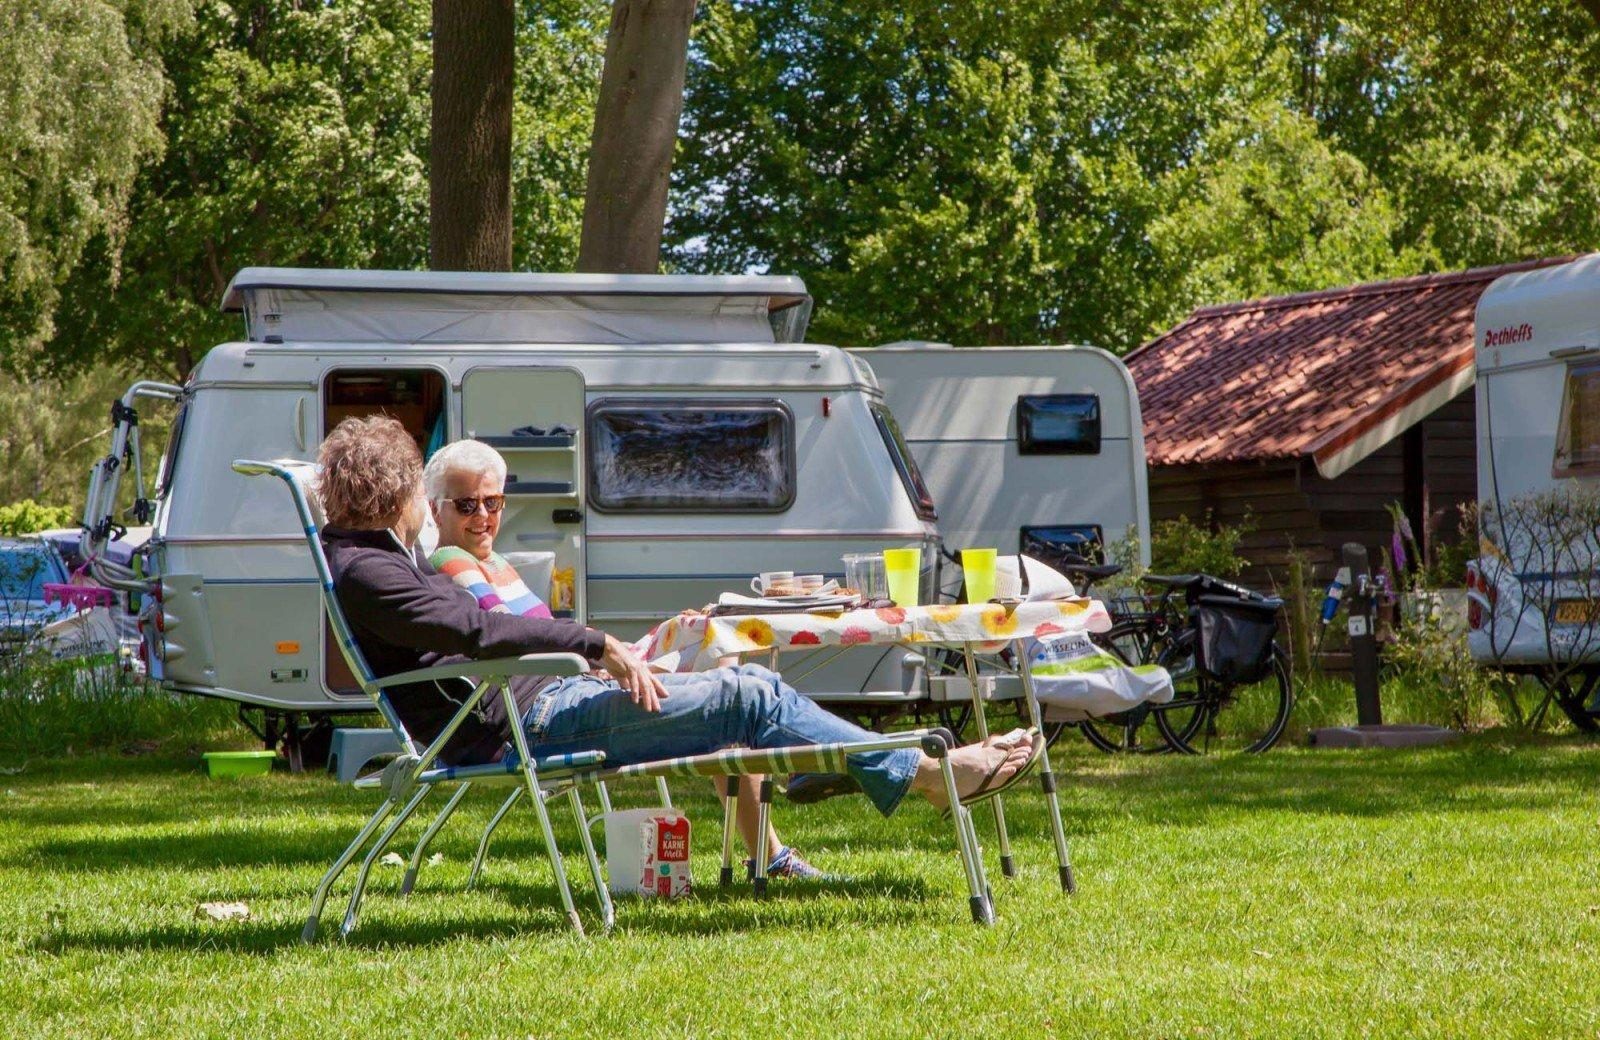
[{"x": 1577, "y": 611}]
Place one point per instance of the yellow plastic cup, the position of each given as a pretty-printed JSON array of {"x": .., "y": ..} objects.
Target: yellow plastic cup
[
  {"x": 977, "y": 567},
  {"x": 904, "y": 570}
]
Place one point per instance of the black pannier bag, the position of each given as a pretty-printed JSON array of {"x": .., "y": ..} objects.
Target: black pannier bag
[{"x": 1235, "y": 637}]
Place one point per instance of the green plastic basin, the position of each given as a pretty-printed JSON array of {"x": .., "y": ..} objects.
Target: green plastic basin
[{"x": 239, "y": 763}]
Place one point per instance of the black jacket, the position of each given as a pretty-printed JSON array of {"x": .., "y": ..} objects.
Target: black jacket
[{"x": 405, "y": 615}]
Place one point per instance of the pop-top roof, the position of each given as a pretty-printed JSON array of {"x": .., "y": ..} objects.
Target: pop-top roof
[
  {"x": 1334, "y": 375},
  {"x": 287, "y": 304}
]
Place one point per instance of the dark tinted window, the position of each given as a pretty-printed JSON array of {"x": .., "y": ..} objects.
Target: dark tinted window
[
  {"x": 1058, "y": 424},
  {"x": 904, "y": 463},
  {"x": 691, "y": 456},
  {"x": 1055, "y": 544},
  {"x": 169, "y": 460}
]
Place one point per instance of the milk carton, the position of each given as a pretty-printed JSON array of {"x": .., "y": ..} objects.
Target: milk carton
[{"x": 647, "y": 852}]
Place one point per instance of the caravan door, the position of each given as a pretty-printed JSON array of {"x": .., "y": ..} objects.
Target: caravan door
[{"x": 534, "y": 417}]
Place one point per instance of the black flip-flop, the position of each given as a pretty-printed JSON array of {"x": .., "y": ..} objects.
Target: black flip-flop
[{"x": 990, "y": 789}]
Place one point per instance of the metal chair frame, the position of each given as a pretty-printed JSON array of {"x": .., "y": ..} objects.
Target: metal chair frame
[{"x": 412, "y": 776}]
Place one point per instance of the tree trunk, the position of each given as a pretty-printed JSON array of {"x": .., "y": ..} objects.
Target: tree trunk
[
  {"x": 469, "y": 156},
  {"x": 1593, "y": 7},
  {"x": 635, "y": 129}
]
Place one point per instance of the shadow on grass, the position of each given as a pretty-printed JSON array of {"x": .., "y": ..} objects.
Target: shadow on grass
[
  {"x": 534, "y": 910},
  {"x": 312, "y": 820}
]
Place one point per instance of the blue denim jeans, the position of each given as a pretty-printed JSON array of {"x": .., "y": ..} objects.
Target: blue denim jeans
[{"x": 749, "y": 706}]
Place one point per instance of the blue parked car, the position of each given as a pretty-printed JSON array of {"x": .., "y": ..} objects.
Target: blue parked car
[{"x": 26, "y": 566}]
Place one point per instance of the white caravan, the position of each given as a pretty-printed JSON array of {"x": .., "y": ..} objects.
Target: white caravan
[
  {"x": 1037, "y": 450},
  {"x": 667, "y": 438},
  {"x": 1534, "y": 592}
]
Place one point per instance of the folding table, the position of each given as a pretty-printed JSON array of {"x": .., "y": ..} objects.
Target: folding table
[{"x": 701, "y": 641}]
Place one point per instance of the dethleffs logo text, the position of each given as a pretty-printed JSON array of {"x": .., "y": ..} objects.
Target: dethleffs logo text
[{"x": 1510, "y": 334}]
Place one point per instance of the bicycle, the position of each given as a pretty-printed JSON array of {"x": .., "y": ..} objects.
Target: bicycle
[{"x": 1239, "y": 702}]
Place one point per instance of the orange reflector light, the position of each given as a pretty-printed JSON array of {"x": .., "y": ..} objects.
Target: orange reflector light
[{"x": 287, "y": 647}]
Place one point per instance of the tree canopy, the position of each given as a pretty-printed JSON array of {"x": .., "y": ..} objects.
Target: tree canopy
[
  {"x": 297, "y": 135},
  {"x": 80, "y": 95},
  {"x": 1035, "y": 171},
  {"x": 1083, "y": 170}
]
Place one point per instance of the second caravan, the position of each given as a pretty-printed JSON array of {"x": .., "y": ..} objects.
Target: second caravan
[{"x": 1037, "y": 450}]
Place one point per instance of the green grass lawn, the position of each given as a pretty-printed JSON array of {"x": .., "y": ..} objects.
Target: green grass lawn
[{"x": 1444, "y": 892}]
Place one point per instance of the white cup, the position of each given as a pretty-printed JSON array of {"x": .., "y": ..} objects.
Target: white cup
[
  {"x": 766, "y": 581},
  {"x": 808, "y": 584}
]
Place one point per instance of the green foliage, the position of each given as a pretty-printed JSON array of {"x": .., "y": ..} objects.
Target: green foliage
[
  {"x": 1047, "y": 170},
  {"x": 28, "y": 516},
  {"x": 560, "y": 51},
  {"x": 1181, "y": 546},
  {"x": 298, "y": 136},
  {"x": 54, "y": 428},
  {"x": 1429, "y": 654},
  {"x": 1073, "y": 170},
  {"x": 80, "y": 91},
  {"x": 978, "y": 174},
  {"x": 295, "y": 136},
  {"x": 1447, "y": 569},
  {"x": 1273, "y": 208}
]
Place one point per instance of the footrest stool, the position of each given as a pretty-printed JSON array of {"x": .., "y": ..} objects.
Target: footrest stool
[{"x": 352, "y": 749}]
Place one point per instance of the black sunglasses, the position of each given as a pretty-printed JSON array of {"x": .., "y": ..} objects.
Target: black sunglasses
[{"x": 468, "y": 506}]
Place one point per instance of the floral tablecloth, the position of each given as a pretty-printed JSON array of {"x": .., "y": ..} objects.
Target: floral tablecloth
[{"x": 701, "y": 641}]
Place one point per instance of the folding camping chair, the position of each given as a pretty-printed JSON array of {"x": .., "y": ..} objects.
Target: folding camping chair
[{"x": 412, "y": 776}]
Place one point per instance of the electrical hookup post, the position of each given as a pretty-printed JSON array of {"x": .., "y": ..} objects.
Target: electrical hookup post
[{"x": 1357, "y": 589}]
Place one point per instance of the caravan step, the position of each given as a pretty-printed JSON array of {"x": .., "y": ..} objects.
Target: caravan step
[{"x": 352, "y": 749}]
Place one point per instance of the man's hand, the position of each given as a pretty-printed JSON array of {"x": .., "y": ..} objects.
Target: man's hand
[{"x": 632, "y": 674}]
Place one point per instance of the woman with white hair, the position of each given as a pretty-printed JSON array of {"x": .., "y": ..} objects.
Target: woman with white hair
[{"x": 465, "y": 483}]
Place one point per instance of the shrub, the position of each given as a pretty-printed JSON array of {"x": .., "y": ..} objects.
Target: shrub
[
  {"x": 1429, "y": 658},
  {"x": 28, "y": 516},
  {"x": 1181, "y": 546},
  {"x": 1448, "y": 568}
]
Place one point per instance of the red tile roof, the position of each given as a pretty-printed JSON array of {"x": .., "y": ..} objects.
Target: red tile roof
[{"x": 1308, "y": 374}]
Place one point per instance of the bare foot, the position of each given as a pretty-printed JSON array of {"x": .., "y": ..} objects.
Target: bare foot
[{"x": 973, "y": 765}]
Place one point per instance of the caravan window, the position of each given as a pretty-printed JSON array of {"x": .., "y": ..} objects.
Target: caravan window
[
  {"x": 1058, "y": 424},
  {"x": 691, "y": 456},
  {"x": 1057, "y": 545},
  {"x": 169, "y": 458},
  {"x": 904, "y": 463},
  {"x": 413, "y": 396},
  {"x": 1578, "y": 436}
]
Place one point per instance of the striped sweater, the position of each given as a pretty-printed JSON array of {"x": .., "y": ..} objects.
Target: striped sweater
[{"x": 494, "y": 583}]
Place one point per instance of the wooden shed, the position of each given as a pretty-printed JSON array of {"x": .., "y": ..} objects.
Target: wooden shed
[{"x": 1310, "y": 413}]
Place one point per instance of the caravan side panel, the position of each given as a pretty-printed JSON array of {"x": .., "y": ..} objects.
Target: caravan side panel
[
  {"x": 958, "y": 408},
  {"x": 249, "y": 625}
]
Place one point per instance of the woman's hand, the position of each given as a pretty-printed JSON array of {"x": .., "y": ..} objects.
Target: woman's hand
[{"x": 632, "y": 674}]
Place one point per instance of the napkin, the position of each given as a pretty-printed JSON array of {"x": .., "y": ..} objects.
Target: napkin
[{"x": 1044, "y": 581}]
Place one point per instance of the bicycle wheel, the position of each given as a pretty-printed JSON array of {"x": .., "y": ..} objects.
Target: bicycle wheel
[
  {"x": 1204, "y": 716},
  {"x": 1121, "y": 732},
  {"x": 1130, "y": 642}
]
